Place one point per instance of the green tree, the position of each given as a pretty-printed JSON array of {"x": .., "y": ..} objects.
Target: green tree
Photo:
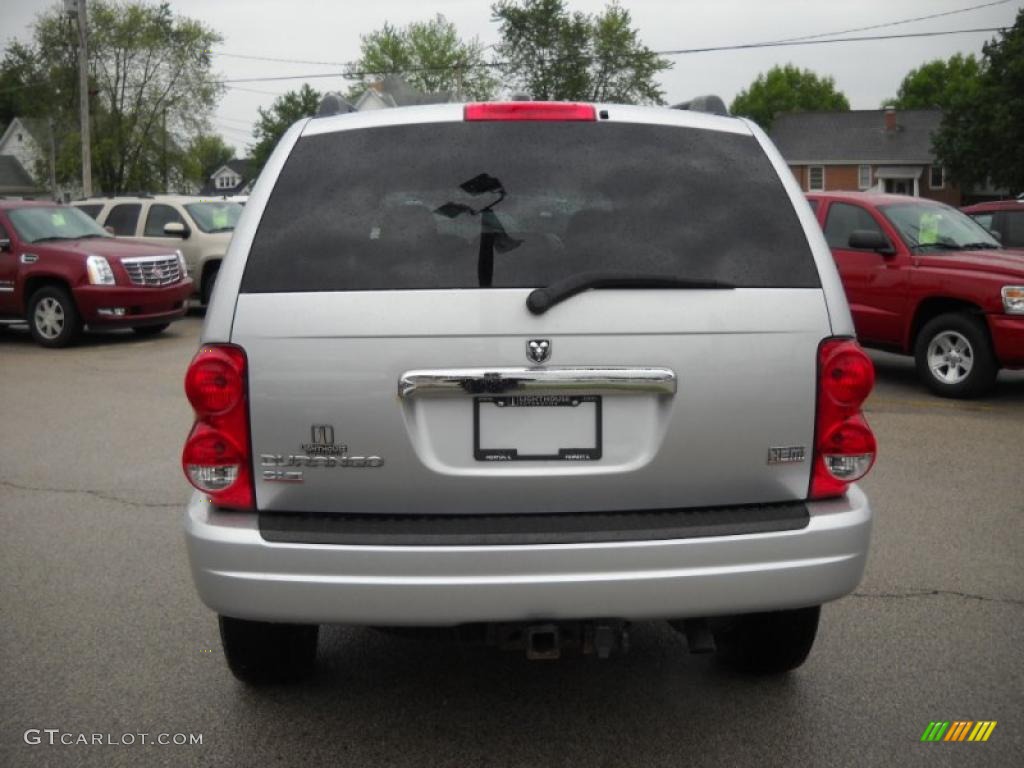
[
  {"x": 938, "y": 83},
  {"x": 151, "y": 87},
  {"x": 205, "y": 154},
  {"x": 23, "y": 91},
  {"x": 554, "y": 54},
  {"x": 982, "y": 132},
  {"x": 273, "y": 122},
  {"x": 429, "y": 55},
  {"x": 787, "y": 89}
]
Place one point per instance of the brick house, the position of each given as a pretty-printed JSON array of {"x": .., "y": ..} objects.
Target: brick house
[{"x": 875, "y": 149}]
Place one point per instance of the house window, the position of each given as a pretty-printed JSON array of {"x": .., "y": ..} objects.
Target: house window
[
  {"x": 937, "y": 177},
  {"x": 816, "y": 178},
  {"x": 863, "y": 176}
]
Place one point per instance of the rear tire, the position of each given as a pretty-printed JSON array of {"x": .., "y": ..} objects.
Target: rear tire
[
  {"x": 954, "y": 356},
  {"x": 53, "y": 317},
  {"x": 260, "y": 652},
  {"x": 151, "y": 330},
  {"x": 768, "y": 643}
]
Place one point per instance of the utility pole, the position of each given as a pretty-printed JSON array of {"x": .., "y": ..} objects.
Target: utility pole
[
  {"x": 83, "y": 87},
  {"x": 163, "y": 160}
]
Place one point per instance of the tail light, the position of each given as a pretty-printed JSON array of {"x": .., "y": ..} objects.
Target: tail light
[
  {"x": 844, "y": 445},
  {"x": 217, "y": 457},
  {"x": 530, "y": 110}
]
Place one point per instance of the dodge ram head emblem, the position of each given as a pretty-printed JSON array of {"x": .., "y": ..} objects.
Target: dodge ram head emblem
[{"x": 538, "y": 350}]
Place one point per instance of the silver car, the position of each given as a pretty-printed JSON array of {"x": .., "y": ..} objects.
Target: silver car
[{"x": 536, "y": 370}]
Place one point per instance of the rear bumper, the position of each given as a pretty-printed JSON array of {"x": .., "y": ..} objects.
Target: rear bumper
[
  {"x": 142, "y": 306},
  {"x": 238, "y": 573},
  {"x": 1008, "y": 339}
]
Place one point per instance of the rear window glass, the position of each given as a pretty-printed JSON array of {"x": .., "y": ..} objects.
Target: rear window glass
[{"x": 523, "y": 204}]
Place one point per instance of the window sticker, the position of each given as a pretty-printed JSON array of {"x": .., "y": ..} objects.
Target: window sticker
[
  {"x": 929, "y": 230},
  {"x": 220, "y": 218},
  {"x": 58, "y": 220}
]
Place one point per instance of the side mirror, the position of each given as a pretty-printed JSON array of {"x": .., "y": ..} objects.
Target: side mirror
[
  {"x": 996, "y": 234},
  {"x": 109, "y": 230},
  {"x": 5, "y": 245},
  {"x": 176, "y": 229},
  {"x": 871, "y": 240}
]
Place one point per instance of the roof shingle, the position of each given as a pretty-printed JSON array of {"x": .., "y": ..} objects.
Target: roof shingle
[{"x": 856, "y": 137}]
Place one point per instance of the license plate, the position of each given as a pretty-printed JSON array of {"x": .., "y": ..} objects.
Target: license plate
[{"x": 537, "y": 428}]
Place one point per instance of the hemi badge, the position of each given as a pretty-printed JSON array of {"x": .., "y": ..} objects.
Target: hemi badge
[{"x": 789, "y": 454}]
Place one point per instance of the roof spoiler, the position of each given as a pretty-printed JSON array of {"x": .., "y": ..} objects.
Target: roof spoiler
[
  {"x": 710, "y": 103},
  {"x": 333, "y": 104}
]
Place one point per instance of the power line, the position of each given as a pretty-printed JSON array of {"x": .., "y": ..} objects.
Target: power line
[
  {"x": 892, "y": 23},
  {"x": 288, "y": 61},
  {"x": 253, "y": 90},
  {"x": 801, "y": 41},
  {"x": 676, "y": 52},
  {"x": 883, "y": 25},
  {"x": 786, "y": 44}
]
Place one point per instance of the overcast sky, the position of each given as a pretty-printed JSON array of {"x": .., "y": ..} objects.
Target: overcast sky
[{"x": 323, "y": 30}]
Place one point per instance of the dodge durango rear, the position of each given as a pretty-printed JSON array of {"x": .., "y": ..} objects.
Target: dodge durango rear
[{"x": 533, "y": 371}]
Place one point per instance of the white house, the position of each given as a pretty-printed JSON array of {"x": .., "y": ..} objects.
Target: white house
[
  {"x": 22, "y": 147},
  {"x": 232, "y": 178}
]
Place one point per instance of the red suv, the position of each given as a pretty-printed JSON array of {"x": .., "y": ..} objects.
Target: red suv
[
  {"x": 1004, "y": 218},
  {"x": 59, "y": 271},
  {"x": 924, "y": 279}
]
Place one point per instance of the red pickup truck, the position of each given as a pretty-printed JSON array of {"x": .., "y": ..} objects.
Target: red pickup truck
[
  {"x": 60, "y": 272},
  {"x": 924, "y": 279}
]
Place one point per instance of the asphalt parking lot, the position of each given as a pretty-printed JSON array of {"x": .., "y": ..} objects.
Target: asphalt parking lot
[{"x": 101, "y": 631}]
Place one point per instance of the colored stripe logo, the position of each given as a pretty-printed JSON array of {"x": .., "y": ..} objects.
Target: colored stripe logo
[{"x": 958, "y": 730}]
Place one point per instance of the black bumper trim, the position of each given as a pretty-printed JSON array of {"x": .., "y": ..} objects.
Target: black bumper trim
[{"x": 561, "y": 528}]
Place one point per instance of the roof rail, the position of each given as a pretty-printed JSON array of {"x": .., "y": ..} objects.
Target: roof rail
[
  {"x": 333, "y": 103},
  {"x": 710, "y": 103}
]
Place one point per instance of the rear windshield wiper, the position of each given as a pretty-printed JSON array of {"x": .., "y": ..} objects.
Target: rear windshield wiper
[{"x": 541, "y": 300}]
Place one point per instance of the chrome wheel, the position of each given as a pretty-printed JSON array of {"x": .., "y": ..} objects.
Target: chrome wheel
[
  {"x": 49, "y": 318},
  {"x": 950, "y": 357}
]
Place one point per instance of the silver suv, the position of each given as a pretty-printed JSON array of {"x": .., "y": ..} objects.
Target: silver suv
[{"x": 531, "y": 370}]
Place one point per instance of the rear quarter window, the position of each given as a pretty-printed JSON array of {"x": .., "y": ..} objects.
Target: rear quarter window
[
  {"x": 92, "y": 210},
  {"x": 1013, "y": 226},
  {"x": 523, "y": 204}
]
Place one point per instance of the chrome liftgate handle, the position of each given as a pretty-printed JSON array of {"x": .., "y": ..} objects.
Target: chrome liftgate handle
[{"x": 496, "y": 381}]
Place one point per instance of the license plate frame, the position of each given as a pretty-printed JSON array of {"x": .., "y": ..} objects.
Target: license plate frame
[{"x": 537, "y": 402}]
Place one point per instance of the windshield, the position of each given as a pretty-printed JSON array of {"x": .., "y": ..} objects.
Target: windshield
[
  {"x": 58, "y": 222},
  {"x": 525, "y": 204},
  {"x": 215, "y": 217},
  {"x": 926, "y": 226}
]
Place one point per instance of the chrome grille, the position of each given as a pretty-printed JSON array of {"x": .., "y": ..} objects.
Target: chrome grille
[{"x": 153, "y": 271}]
